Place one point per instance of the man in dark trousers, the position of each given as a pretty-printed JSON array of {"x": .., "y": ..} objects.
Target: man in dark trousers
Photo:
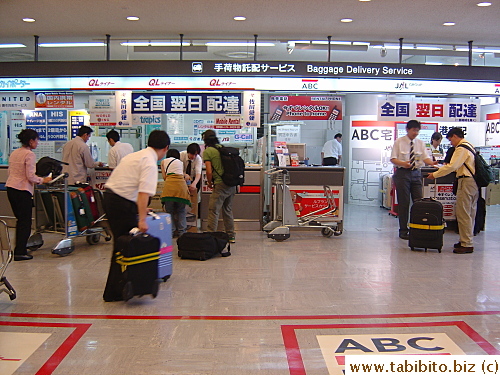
[
  {"x": 126, "y": 199},
  {"x": 408, "y": 155}
]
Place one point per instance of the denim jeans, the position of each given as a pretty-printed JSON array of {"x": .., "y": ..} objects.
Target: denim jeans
[
  {"x": 221, "y": 198},
  {"x": 178, "y": 212}
]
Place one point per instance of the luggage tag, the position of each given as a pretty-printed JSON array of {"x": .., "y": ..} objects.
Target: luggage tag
[{"x": 82, "y": 212}]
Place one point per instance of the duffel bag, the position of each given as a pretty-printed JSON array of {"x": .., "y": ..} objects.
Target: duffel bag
[{"x": 203, "y": 246}]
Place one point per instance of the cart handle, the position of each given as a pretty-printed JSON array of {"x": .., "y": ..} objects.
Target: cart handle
[
  {"x": 276, "y": 171},
  {"x": 63, "y": 175}
]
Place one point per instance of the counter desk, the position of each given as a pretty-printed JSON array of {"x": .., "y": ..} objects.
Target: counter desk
[{"x": 248, "y": 204}]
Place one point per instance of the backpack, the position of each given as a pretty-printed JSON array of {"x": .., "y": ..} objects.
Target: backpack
[
  {"x": 234, "y": 166},
  {"x": 48, "y": 165},
  {"x": 484, "y": 173}
]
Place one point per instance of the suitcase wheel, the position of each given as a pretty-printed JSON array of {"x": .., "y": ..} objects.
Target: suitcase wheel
[
  {"x": 425, "y": 249},
  {"x": 439, "y": 250},
  {"x": 128, "y": 291},
  {"x": 165, "y": 278},
  {"x": 412, "y": 248},
  {"x": 156, "y": 287}
]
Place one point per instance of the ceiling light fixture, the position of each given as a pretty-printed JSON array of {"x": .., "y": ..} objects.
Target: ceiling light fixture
[
  {"x": 238, "y": 44},
  {"x": 12, "y": 45},
  {"x": 155, "y": 44},
  {"x": 29, "y": 20},
  {"x": 365, "y": 0},
  {"x": 483, "y": 4},
  {"x": 239, "y": 18},
  {"x": 59, "y": 45},
  {"x": 449, "y": 24},
  {"x": 346, "y": 20},
  {"x": 133, "y": 18}
]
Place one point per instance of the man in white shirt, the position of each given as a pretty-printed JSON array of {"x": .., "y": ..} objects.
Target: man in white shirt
[
  {"x": 408, "y": 155},
  {"x": 128, "y": 191},
  {"x": 118, "y": 149},
  {"x": 77, "y": 154},
  {"x": 467, "y": 192},
  {"x": 332, "y": 151}
]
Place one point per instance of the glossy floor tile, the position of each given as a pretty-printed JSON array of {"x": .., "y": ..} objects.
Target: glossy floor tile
[{"x": 264, "y": 310}]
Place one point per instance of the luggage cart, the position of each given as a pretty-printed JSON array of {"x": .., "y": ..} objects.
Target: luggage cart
[
  {"x": 6, "y": 256},
  {"x": 55, "y": 214},
  {"x": 285, "y": 218}
]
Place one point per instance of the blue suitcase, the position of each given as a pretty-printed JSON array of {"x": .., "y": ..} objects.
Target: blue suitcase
[{"x": 160, "y": 225}]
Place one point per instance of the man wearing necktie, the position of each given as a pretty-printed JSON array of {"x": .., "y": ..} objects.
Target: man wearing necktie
[{"x": 408, "y": 155}]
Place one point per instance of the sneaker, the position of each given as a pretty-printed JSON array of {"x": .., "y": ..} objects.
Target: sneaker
[{"x": 232, "y": 239}]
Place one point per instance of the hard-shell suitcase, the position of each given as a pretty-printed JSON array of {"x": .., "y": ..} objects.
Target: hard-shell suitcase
[
  {"x": 138, "y": 257},
  {"x": 160, "y": 225},
  {"x": 426, "y": 224},
  {"x": 203, "y": 246}
]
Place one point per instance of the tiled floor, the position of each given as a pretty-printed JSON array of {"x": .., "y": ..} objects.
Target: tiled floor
[{"x": 257, "y": 312}]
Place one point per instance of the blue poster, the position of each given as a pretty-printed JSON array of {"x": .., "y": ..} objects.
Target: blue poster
[
  {"x": 57, "y": 133},
  {"x": 57, "y": 117},
  {"x": 40, "y": 129},
  {"x": 228, "y": 103},
  {"x": 76, "y": 123},
  {"x": 36, "y": 118}
]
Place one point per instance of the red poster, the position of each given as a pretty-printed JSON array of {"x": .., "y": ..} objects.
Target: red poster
[
  {"x": 54, "y": 100},
  {"x": 306, "y": 201},
  {"x": 310, "y": 107}
]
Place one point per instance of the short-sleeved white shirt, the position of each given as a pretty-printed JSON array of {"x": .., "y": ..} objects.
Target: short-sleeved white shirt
[
  {"x": 174, "y": 166},
  {"x": 197, "y": 165},
  {"x": 118, "y": 152},
  {"x": 401, "y": 150},
  {"x": 332, "y": 149},
  {"x": 136, "y": 173}
]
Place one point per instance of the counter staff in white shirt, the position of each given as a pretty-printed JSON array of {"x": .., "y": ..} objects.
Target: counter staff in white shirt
[
  {"x": 128, "y": 191},
  {"x": 467, "y": 192},
  {"x": 331, "y": 154},
  {"x": 193, "y": 165},
  {"x": 409, "y": 154},
  {"x": 77, "y": 154},
  {"x": 118, "y": 149}
]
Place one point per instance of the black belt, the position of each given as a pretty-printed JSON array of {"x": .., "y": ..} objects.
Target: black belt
[{"x": 464, "y": 176}]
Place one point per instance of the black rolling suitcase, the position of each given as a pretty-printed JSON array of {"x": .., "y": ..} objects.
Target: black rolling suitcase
[
  {"x": 426, "y": 225},
  {"x": 138, "y": 256}
]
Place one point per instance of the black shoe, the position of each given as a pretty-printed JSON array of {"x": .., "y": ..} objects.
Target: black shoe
[
  {"x": 23, "y": 257},
  {"x": 463, "y": 250},
  {"x": 404, "y": 236},
  {"x": 457, "y": 245}
]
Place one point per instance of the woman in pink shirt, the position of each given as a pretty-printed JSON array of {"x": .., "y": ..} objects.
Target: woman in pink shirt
[{"x": 20, "y": 187}]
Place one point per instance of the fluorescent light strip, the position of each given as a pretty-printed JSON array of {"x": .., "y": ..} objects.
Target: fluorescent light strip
[
  {"x": 59, "y": 45},
  {"x": 331, "y": 42},
  {"x": 235, "y": 44},
  {"x": 12, "y": 45},
  {"x": 155, "y": 44}
]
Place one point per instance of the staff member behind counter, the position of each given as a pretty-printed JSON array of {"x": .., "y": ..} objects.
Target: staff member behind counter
[
  {"x": 332, "y": 151},
  {"x": 77, "y": 154},
  {"x": 408, "y": 155}
]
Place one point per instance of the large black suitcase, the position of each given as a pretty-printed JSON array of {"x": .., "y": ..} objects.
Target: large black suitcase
[
  {"x": 203, "y": 246},
  {"x": 138, "y": 256},
  {"x": 426, "y": 224}
]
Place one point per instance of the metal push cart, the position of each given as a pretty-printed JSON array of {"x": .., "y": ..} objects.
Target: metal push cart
[
  {"x": 6, "y": 256},
  {"x": 328, "y": 218},
  {"x": 56, "y": 215}
]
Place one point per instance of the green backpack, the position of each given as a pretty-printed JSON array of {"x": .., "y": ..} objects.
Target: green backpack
[{"x": 484, "y": 173}]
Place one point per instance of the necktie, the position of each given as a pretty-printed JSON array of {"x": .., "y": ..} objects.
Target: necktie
[
  {"x": 188, "y": 168},
  {"x": 412, "y": 156}
]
